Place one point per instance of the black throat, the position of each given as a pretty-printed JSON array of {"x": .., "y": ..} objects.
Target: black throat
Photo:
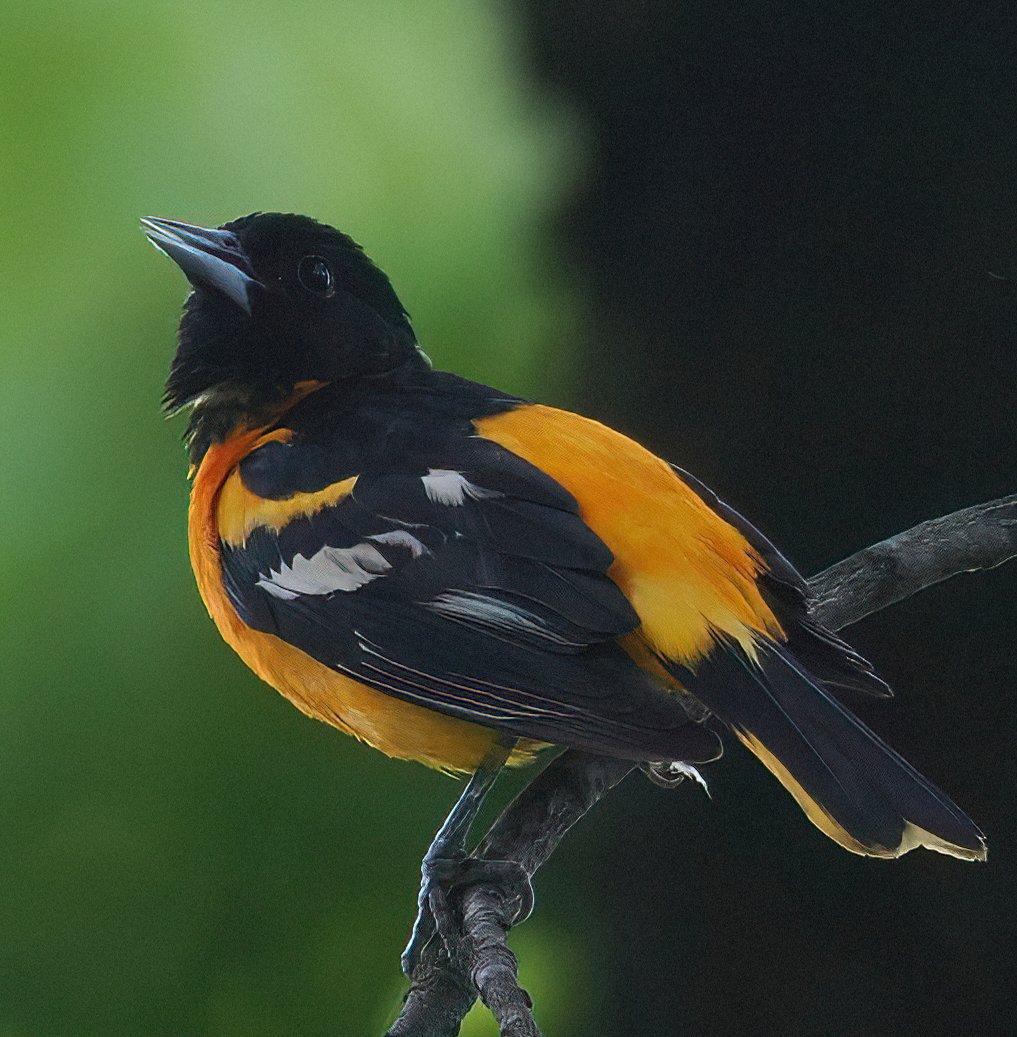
[{"x": 226, "y": 409}]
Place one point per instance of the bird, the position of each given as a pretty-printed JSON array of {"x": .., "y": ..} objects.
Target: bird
[{"x": 459, "y": 576}]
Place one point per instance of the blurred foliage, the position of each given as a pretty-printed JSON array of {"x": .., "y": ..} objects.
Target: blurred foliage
[{"x": 183, "y": 853}]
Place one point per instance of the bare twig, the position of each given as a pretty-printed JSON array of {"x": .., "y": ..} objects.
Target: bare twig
[
  {"x": 471, "y": 959},
  {"x": 976, "y": 538}
]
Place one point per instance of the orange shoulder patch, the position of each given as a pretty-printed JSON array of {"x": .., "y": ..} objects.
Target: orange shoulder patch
[
  {"x": 688, "y": 574},
  {"x": 239, "y": 512}
]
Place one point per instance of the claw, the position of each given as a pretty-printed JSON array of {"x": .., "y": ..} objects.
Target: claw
[
  {"x": 440, "y": 876},
  {"x": 431, "y": 871},
  {"x": 445, "y": 856},
  {"x": 509, "y": 877},
  {"x": 673, "y": 773}
]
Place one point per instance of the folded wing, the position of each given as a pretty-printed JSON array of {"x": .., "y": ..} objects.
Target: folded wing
[{"x": 473, "y": 588}]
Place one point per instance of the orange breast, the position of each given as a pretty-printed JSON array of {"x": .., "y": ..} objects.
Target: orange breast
[
  {"x": 687, "y": 573},
  {"x": 222, "y": 508}
]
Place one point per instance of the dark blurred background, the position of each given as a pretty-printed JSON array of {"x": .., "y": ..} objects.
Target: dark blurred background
[{"x": 757, "y": 237}]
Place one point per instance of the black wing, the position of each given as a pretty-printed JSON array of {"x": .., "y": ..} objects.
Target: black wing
[{"x": 473, "y": 588}]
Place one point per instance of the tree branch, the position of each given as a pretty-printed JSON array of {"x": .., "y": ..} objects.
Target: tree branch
[
  {"x": 471, "y": 959},
  {"x": 976, "y": 538}
]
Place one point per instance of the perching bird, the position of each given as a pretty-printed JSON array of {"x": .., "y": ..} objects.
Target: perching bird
[{"x": 458, "y": 576}]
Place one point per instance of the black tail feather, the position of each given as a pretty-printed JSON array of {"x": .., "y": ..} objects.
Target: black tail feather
[
  {"x": 832, "y": 661},
  {"x": 852, "y": 785}
]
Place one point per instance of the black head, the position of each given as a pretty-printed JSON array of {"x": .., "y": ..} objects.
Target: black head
[{"x": 278, "y": 299}]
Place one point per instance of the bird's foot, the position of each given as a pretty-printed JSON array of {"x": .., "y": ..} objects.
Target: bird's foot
[
  {"x": 672, "y": 773},
  {"x": 440, "y": 876}
]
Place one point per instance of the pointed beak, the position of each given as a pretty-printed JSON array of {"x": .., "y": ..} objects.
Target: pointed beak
[{"x": 209, "y": 258}]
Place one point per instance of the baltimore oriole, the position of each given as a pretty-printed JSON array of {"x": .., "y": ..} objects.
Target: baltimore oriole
[{"x": 458, "y": 576}]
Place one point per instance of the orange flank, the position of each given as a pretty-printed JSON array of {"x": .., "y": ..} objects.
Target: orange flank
[
  {"x": 222, "y": 506},
  {"x": 688, "y": 574}
]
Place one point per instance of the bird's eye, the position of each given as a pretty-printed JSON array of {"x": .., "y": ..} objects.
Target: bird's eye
[{"x": 315, "y": 275}]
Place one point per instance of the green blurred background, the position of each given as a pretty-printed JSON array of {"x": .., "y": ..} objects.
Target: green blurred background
[
  {"x": 755, "y": 238},
  {"x": 182, "y": 852}
]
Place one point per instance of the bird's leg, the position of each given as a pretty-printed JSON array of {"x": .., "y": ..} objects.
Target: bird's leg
[{"x": 444, "y": 861}]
